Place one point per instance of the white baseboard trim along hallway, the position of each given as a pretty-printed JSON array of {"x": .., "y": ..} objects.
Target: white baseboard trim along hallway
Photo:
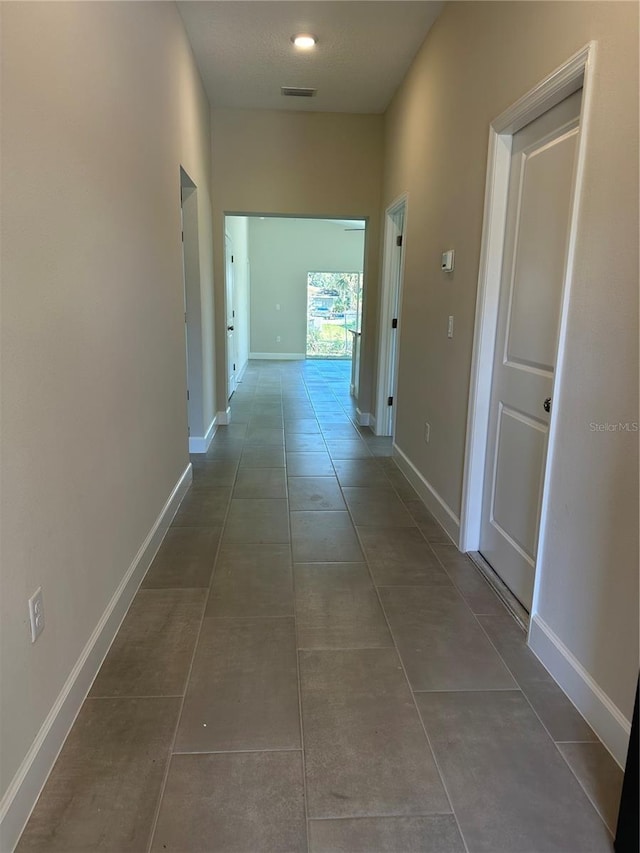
[
  {"x": 278, "y": 356},
  {"x": 200, "y": 444},
  {"x": 223, "y": 418},
  {"x": 438, "y": 507},
  {"x": 607, "y": 720},
  {"x": 366, "y": 419},
  {"x": 24, "y": 790}
]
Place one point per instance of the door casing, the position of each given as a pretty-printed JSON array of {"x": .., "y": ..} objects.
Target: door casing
[
  {"x": 395, "y": 223},
  {"x": 574, "y": 74}
]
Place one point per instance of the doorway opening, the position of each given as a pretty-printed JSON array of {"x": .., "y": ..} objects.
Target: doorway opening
[
  {"x": 294, "y": 290},
  {"x": 334, "y": 303},
  {"x": 390, "y": 319},
  {"x": 191, "y": 304}
]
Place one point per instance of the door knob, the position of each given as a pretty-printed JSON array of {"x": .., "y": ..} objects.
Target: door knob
[
  {"x": 547, "y": 404},
  {"x": 229, "y": 328}
]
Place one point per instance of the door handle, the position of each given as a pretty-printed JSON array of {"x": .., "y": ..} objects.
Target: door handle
[
  {"x": 547, "y": 404},
  {"x": 229, "y": 328}
]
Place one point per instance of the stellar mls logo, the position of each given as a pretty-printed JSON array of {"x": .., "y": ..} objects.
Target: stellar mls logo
[{"x": 620, "y": 426}]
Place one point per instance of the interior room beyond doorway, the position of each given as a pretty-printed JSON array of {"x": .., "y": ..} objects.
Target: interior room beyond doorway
[{"x": 297, "y": 288}]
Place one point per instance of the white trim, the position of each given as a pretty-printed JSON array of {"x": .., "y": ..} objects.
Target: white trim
[
  {"x": 241, "y": 372},
  {"x": 200, "y": 444},
  {"x": 437, "y": 506},
  {"x": 605, "y": 718},
  {"x": 224, "y": 418},
  {"x": 24, "y": 790},
  {"x": 600, "y": 712},
  {"x": 385, "y": 382},
  {"x": 279, "y": 356},
  {"x": 576, "y": 72},
  {"x": 364, "y": 418}
]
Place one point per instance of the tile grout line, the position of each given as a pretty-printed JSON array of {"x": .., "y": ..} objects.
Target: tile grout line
[
  {"x": 305, "y": 792},
  {"x": 384, "y": 817},
  {"x": 408, "y": 683},
  {"x": 154, "y": 823},
  {"x": 610, "y": 830},
  {"x": 504, "y": 663},
  {"x": 529, "y": 703},
  {"x": 236, "y": 751}
]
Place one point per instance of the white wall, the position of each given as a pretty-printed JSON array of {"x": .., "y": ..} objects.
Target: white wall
[
  {"x": 477, "y": 60},
  {"x": 325, "y": 165},
  {"x": 237, "y": 227},
  {"x": 101, "y": 104},
  {"x": 282, "y": 252}
]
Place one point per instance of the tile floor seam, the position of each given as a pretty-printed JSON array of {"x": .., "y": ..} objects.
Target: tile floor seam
[
  {"x": 408, "y": 683},
  {"x": 235, "y": 751},
  {"x": 299, "y": 680},
  {"x": 140, "y": 696},
  {"x": 470, "y": 690},
  {"x": 522, "y": 689},
  {"x": 172, "y": 742},
  {"x": 504, "y": 662},
  {"x": 252, "y": 618},
  {"x": 391, "y": 816},
  {"x": 586, "y": 793}
]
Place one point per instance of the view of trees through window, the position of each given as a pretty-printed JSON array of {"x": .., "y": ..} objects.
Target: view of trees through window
[{"x": 334, "y": 300}]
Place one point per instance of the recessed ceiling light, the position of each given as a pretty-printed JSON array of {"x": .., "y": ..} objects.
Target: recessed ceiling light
[{"x": 304, "y": 41}]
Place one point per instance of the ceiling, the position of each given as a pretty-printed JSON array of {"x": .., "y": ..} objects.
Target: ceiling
[{"x": 244, "y": 51}]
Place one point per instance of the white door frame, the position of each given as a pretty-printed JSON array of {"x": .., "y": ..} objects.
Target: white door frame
[
  {"x": 390, "y": 300},
  {"x": 577, "y": 72},
  {"x": 229, "y": 288}
]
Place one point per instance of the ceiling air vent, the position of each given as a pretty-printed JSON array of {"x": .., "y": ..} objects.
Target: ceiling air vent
[{"x": 298, "y": 92}]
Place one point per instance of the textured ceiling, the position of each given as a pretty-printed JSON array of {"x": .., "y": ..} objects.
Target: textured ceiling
[{"x": 245, "y": 55}]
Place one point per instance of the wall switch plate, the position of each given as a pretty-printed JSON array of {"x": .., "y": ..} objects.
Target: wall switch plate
[
  {"x": 277, "y": 306},
  {"x": 36, "y": 614},
  {"x": 450, "y": 326},
  {"x": 427, "y": 432},
  {"x": 448, "y": 260},
  {"x": 278, "y": 339}
]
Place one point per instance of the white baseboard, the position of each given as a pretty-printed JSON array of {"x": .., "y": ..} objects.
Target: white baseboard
[
  {"x": 278, "y": 356},
  {"x": 437, "y": 506},
  {"x": 365, "y": 418},
  {"x": 200, "y": 444},
  {"x": 22, "y": 794},
  {"x": 224, "y": 418},
  {"x": 604, "y": 717}
]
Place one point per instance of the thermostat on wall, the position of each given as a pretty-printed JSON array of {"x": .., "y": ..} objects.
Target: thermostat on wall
[{"x": 448, "y": 259}]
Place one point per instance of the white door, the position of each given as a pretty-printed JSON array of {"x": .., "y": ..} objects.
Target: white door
[
  {"x": 230, "y": 317},
  {"x": 533, "y": 267}
]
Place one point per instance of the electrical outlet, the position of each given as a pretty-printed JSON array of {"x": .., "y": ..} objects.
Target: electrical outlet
[
  {"x": 36, "y": 614},
  {"x": 278, "y": 339},
  {"x": 427, "y": 432}
]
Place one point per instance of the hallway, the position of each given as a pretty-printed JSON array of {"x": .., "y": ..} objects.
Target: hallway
[{"x": 311, "y": 664}]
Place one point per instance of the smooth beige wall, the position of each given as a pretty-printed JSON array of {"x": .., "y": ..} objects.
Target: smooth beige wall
[
  {"x": 101, "y": 104},
  {"x": 282, "y": 253},
  {"x": 300, "y": 164},
  {"x": 478, "y": 59}
]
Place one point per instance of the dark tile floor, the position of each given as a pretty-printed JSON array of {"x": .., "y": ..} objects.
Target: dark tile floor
[{"x": 311, "y": 665}]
